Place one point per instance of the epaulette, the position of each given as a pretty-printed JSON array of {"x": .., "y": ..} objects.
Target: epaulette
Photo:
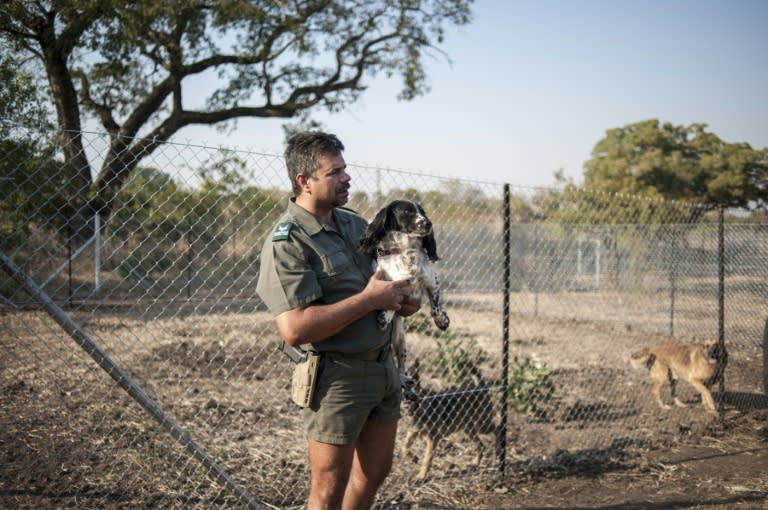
[{"x": 282, "y": 231}]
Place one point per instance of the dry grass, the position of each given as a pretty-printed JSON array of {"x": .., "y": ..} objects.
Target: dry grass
[{"x": 72, "y": 438}]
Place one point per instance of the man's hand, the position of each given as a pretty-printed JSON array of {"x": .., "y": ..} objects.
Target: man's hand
[
  {"x": 409, "y": 307},
  {"x": 386, "y": 294},
  {"x": 317, "y": 322}
]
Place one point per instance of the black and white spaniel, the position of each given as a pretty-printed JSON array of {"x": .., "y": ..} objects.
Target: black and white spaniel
[{"x": 401, "y": 240}]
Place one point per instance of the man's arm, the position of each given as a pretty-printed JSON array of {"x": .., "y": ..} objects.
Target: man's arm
[{"x": 317, "y": 322}]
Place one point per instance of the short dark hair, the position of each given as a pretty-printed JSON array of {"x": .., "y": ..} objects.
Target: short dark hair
[{"x": 303, "y": 151}]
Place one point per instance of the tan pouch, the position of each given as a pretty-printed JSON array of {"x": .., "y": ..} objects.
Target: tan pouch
[{"x": 304, "y": 380}]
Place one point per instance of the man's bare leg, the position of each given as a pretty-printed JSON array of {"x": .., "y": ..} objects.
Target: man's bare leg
[
  {"x": 371, "y": 464},
  {"x": 330, "y": 466}
]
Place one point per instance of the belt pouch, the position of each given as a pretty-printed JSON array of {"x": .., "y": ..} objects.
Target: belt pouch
[{"x": 304, "y": 380}]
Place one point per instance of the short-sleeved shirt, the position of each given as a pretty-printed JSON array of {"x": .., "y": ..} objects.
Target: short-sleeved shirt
[{"x": 306, "y": 262}]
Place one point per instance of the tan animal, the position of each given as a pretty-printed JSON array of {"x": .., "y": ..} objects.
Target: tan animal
[
  {"x": 436, "y": 414},
  {"x": 699, "y": 365}
]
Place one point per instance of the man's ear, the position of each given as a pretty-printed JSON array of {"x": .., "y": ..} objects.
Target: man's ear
[{"x": 302, "y": 180}]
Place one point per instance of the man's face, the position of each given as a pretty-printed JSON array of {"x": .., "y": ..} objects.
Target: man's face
[{"x": 330, "y": 183}]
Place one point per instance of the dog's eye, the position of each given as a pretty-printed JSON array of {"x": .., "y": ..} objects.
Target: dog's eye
[{"x": 380, "y": 252}]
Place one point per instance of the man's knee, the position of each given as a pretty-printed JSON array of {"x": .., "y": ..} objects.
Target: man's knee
[
  {"x": 326, "y": 492},
  {"x": 383, "y": 469},
  {"x": 330, "y": 467},
  {"x": 372, "y": 473}
]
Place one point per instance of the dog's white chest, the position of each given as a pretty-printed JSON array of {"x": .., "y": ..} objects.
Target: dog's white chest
[{"x": 402, "y": 266}]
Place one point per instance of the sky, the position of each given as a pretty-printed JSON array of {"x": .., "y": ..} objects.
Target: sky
[{"x": 532, "y": 86}]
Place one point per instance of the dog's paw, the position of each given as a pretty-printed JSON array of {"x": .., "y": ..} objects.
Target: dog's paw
[{"x": 442, "y": 321}]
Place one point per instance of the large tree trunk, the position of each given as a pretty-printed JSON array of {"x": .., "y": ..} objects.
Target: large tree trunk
[{"x": 81, "y": 211}]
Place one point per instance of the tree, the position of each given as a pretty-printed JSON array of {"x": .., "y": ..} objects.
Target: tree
[
  {"x": 21, "y": 102},
  {"x": 31, "y": 184},
  {"x": 678, "y": 162},
  {"x": 33, "y": 190},
  {"x": 129, "y": 65}
]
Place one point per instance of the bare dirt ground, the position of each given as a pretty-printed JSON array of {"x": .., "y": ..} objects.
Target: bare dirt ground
[
  {"x": 606, "y": 445},
  {"x": 68, "y": 440},
  {"x": 722, "y": 466}
]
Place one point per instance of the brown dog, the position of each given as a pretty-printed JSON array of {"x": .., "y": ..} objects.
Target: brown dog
[
  {"x": 436, "y": 414},
  {"x": 700, "y": 365}
]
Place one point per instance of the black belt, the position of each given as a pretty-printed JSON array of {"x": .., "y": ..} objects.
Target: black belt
[
  {"x": 298, "y": 355},
  {"x": 379, "y": 355}
]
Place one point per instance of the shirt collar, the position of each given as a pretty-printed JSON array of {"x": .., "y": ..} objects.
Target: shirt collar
[{"x": 308, "y": 222}]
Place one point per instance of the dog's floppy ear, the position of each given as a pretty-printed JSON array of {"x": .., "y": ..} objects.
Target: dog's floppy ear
[
  {"x": 428, "y": 242},
  {"x": 430, "y": 245},
  {"x": 374, "y": 232}
]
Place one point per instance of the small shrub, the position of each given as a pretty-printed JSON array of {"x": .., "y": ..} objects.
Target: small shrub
[
  {"x": 530, "y": 388},
  {"x": 456, "y": 358}
]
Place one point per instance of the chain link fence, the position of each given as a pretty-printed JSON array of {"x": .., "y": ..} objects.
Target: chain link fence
[{"x": 140, "y": 369}]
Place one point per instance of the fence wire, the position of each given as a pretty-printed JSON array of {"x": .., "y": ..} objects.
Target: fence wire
[{"x": 164, "y": 284}]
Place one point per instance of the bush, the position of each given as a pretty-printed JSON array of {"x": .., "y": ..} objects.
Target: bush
[{"x": 530, "y": 388}]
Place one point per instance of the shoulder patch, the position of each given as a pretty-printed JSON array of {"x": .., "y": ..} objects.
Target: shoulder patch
[{"x": 282, "y": 231}]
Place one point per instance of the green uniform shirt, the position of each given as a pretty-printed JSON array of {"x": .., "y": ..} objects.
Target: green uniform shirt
[{"x": 306, "y": 262}]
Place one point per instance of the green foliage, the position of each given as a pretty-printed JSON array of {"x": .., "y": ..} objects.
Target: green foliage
[
  {"x": 21, "y": 99},
  {"x": 454, "y": 202},
  {"x": 680, "y": 163},
  {"x": 456, "y": 357},
  {"x": 573, "y": 205},
  {"x": 150, "y": 204},
  {"x": 178, "y": 221},
  {"x": 140, "y": 265},
  {"x": 530, "y": 387},
  {"x": 33, "y": 191},
  {"x": 131, "y": 65}
]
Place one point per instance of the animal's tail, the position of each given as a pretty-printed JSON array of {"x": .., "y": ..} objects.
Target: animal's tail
[{"x": 642, "y": 358}]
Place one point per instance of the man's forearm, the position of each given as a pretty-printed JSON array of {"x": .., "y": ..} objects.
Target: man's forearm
[
  {"x": 318, "y": 322},
  {"x": 315, "y": 323}
]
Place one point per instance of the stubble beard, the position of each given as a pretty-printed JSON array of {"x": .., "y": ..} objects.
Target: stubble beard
[{"x": 342, "y": 195}]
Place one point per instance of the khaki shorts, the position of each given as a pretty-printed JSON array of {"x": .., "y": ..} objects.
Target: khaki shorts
[{"x": 350, "y": 392}]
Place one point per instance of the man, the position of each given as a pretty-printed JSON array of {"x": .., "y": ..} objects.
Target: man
[{"x": 325, "y": 295}]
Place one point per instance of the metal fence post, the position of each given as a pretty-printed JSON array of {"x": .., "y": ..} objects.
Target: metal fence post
[
  {"x": 502, "y": 440},
  {"x": 721, "y": 293}
]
